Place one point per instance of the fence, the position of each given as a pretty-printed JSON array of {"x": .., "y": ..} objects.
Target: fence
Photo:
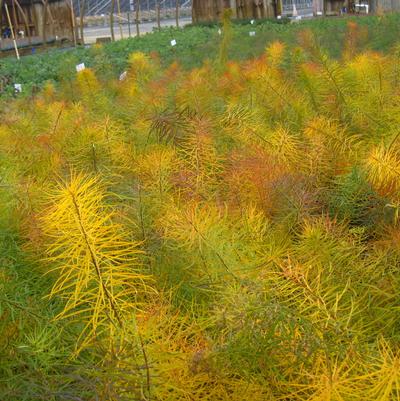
[
  {"x": 118, "y": 15},
  {"x": 148, "y": 8}
]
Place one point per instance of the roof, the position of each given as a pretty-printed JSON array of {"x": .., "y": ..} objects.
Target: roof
[{"x": 28, "y": 2}]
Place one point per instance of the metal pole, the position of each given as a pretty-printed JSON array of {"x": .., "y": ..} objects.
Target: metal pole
[{"x": 129, "y": 23}]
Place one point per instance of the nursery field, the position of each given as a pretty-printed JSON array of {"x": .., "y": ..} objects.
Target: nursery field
[
  {"x": 195, "y": 44},
  {"x": 222, "y": 231}
]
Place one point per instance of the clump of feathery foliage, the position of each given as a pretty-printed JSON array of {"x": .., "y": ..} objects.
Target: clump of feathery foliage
[{"x": 225, "y": 233}]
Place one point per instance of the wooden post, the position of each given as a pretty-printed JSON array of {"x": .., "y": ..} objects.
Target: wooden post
[
  {"x": 15, "y": 19},
  {"x": 12, "y": 31},
  {"x": 258, "y": 10},
  {"x": 26, "y": 23},
  {"x": 194, "y": 11},
  {"x": 81, "y": 16},
  {"x": 280, "y": 7},
  {"x": 240, "y": 13},
  {"x": 53, "y": 21},
  {"x": 112, "y": 20},
  {"x": 128, "y": 15},
  {"x": 177, "y": 13},
  {"x": 1, "y": 24},
  {"x": 137, "y": 15},
  {"x": 120, "y": 19},
  {"x": 1, "y": 19},
  {"x": 157, "y": 14},
  {"x": 73, "y": 22},
  {"x": 234, "y": 8},
  {"x": 44, "y": 22}
]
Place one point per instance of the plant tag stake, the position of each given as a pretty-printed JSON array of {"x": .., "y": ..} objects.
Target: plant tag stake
[
  {"x": 173, "y": 42},
  {"x": 80, "y": 67},
  {"x": 252, "y": 22},
  {"x": 252, "y": 33},
  {"x": 123, "y": 76},
  {"x": 18, "y": 88},
  {"x": 219, "y": 32},
  {"x": 279, "y": 17},
  {"x": 319, "y": 12}
]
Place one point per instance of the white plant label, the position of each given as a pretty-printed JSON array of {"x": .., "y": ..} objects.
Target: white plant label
[
  {"x": 123, "y": 76},
  {"x": 252, "y": 22},
  {"x": 80, "y": 67},
  {"x": 319, "y": 12},
  {"x": 173, "y": 42},
  {"x": 252, "y": 33},
  {"x": 279, "y": 17},
  {"x": 18, "y": 88},
  {"x": 219, "y": 32}
]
